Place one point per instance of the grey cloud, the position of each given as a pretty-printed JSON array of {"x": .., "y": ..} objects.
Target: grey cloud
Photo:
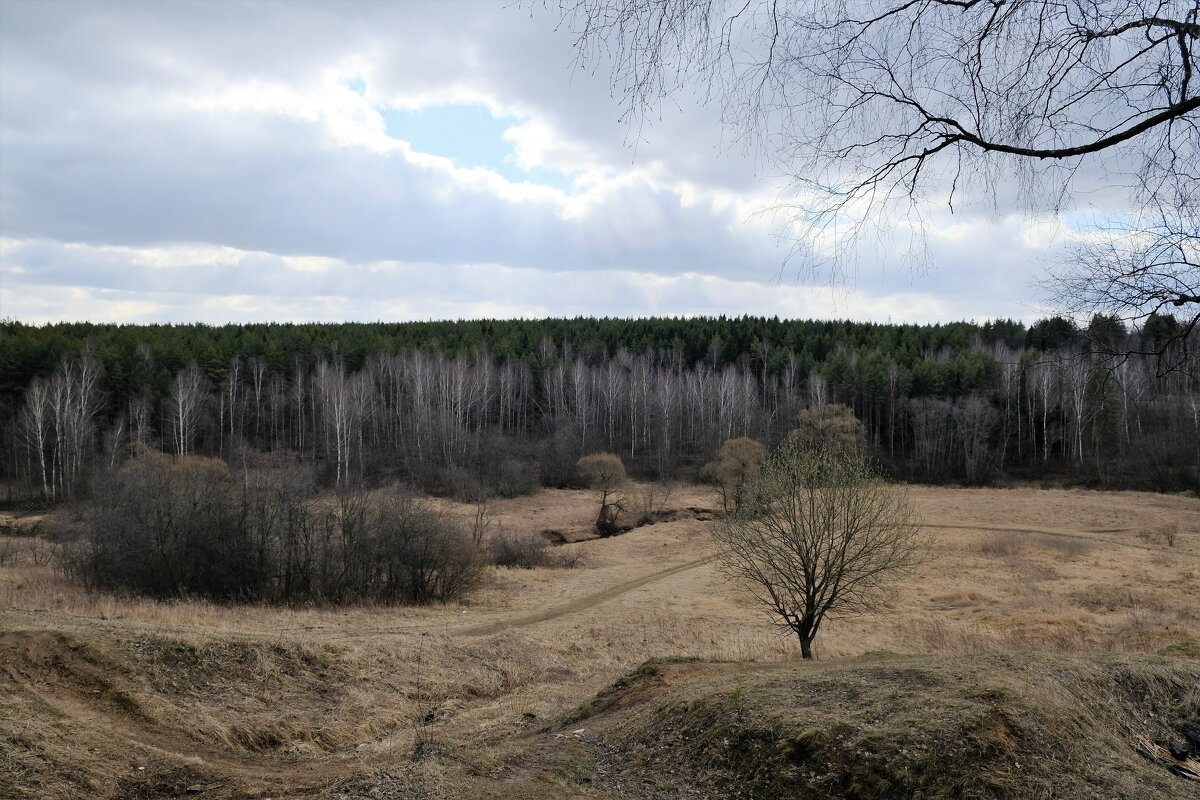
[
  {"x": 199, "y": 287},
  {"x": 123, "y": 49},
  {"x": 86, "y": 155},
  {"x": 260, "y": 183}
]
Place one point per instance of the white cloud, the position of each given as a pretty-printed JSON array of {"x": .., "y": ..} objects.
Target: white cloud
[
  {"x": 159, "y": 161},
  {"x": 182, "y": 285}
]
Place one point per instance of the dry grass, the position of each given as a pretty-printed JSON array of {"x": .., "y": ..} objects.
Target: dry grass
[
  {"x": 1166, "y": 534},
  {"x": 1002, "y": 544},
  {"x": 349, "y": 692},
  {"x": 982, "y": 726}
]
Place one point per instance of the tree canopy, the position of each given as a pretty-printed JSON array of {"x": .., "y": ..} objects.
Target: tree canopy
[{"x": 818, "y": 535}]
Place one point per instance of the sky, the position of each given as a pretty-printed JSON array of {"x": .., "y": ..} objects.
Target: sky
[{"x": 226, "y": 162}]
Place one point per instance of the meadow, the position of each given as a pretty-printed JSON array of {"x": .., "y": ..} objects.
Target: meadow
[{"x": 491, "y": 697}]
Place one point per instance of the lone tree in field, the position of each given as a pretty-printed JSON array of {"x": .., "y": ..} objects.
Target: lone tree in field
[
  {"x": 818, "y": 534},
  {"x": 737, "y": 462},
  {"x": 605, "y": 473}
]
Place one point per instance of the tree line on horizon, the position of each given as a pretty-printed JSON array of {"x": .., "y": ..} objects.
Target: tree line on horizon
[{"x": 489, "y": 406}]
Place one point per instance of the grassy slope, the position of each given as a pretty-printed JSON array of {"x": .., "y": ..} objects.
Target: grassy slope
[
  {"x": 1017, "y": 726},
  {"x": 880, "y": 726}
]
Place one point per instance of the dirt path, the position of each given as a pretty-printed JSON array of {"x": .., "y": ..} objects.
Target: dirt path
[
  {"x": 616, "y": 590},
  {"x": 64, "y": 677},
  {"x": 583, "y": 603},
  {"x": 1086, "y": 535}
]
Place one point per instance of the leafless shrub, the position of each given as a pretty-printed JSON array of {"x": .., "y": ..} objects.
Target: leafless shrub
[
  {"x": 1005, "y": 544},
  {"x": 481, "y": 521},
  {"x": 1066, "y": 546},
  {"x": 526, "y": 551},
  {"x": 1167, "y": 534},
  {"x": 652, "y": 501},
  {"x": 41, "y": 552},
  {"x": 187, "y": 527}
]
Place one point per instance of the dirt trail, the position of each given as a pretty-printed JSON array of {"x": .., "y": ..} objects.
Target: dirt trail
[
  {"x": 78, "y": 683},
  {"x": 616, "y": 590},
  {"x": 82, "y": 685},
  {"x": 581, "y": 604},
  {"x": 1087, "y": 535}
]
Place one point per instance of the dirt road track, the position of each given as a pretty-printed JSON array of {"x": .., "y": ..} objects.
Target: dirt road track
[
  {"x": 1087, "y": 535},
  {"x": 583, "y": 603},
  {"x": 616, "y": 590}
]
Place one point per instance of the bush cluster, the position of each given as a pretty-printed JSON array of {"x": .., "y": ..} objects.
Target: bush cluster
[
  {"x": 525, "y": 551},
  {"x": 188, "y": 527}
]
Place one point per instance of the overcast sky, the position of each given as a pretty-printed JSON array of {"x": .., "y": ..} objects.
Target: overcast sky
[{"x": 223, "y": 162}]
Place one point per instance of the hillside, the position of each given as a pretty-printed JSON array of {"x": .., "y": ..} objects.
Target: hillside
[{"x": 1020, "y": 725}]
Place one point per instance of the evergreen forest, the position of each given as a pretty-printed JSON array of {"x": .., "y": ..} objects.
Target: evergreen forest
[{"x": 481, "y": 407}]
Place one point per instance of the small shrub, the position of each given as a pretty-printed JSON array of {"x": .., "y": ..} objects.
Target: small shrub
[
  {"x": 1066, "y": 546},
  {"x": 526, "y": 551},
  {"x": 736, "y": 463},
  {"x": 460, "y": 483},
  {"x": 40, "y": 551},
  {"x": 1002, "y": 544},
  {"x": 1167, "y": 534},
  {"x": 652, "y": 502},
  {"x": 512, "y": 477},
  {"x": 557, "y": 455}
]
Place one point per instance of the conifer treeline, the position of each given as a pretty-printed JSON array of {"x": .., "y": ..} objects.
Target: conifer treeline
[{"x": 501, "y": 405}]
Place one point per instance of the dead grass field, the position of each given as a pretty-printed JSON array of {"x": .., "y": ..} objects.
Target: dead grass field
[{"x": 116, "y": 697}]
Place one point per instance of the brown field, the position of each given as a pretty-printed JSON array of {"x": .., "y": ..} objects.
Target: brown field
[{"x": 111, "y": 697}]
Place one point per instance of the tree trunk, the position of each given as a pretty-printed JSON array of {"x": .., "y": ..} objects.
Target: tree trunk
[
  {"x": 806, "y": 647},
  {"x": 805, "y": 627}
]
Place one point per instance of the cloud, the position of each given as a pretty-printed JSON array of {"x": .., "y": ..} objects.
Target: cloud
[
  {"x": 162, "y": 161},
  {"x": 49, "y": 280}
]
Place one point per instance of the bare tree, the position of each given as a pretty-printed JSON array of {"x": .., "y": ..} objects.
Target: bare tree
[
  {"x": 73, "y": 401},
  {"x": 876, "y": 114},
  {"x": 139, "y": 413},
  {"x": 737, "y": 463},
  {"x": 35, "y": 430},
  {"x": 339, "y": 415},
  {"x": 605, "y": 473},
  {"x": 1136, "y": 269},
  {"x": 231, "y": 399},
  {"x": 188, "y": 392},
  {"x": 830, "y": 424},
  {"x": 819, "y": 534},
  {"x": 975, "y": 418}
]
